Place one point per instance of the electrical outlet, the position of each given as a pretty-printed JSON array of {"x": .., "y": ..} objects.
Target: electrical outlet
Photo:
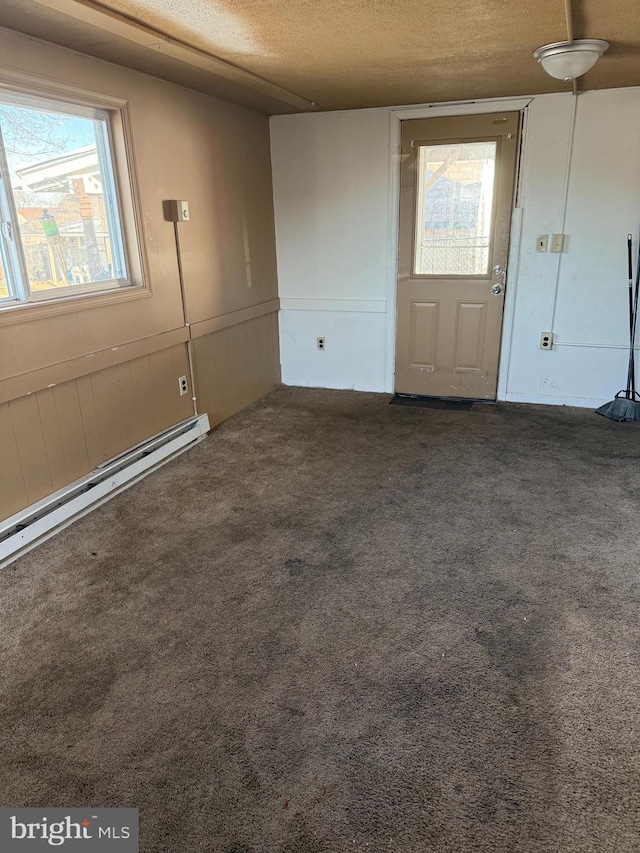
[
  {"x": 542, "y": 241},
  {"x": 557, "y": 243},
  {"x": 546, "y": 340},
  {"x": 176, "y": 210},
  {"x": 321, "y": 343},
  {"x": 183, "y": 385}
]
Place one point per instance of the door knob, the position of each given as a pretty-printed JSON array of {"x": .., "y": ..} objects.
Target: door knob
[{"x": 497, "y": 289}]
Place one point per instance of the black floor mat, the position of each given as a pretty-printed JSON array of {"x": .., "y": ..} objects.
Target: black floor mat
[{"x": 431, "y": 403}]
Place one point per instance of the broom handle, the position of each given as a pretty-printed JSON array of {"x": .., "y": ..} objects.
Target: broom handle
[
  {"x": 631, "y": 368},
  {"x": 633, "y": 327}
]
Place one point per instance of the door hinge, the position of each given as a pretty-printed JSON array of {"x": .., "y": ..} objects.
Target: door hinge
[{"x": 7, "y": 230}]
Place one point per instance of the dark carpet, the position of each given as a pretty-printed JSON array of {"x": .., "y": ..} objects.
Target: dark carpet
[{"x": 338, "y": 625}]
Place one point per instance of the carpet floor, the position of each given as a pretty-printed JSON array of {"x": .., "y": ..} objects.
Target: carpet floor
[{"x": 338, "y": 625}]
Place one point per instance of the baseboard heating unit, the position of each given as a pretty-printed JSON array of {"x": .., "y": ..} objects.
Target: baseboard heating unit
[{"x": 31, "y": 526}]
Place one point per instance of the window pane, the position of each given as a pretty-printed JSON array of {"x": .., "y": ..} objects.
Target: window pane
[
  {"x": 454, "y": 208},
  {"x": 63, "y": 198},
  {"x": 4, "y": 285}
]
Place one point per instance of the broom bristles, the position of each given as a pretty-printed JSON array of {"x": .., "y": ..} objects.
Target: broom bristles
[{"x": 621, "y": 409}]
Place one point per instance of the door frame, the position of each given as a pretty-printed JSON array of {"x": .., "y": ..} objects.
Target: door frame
[{"x": 396, "y": 116}]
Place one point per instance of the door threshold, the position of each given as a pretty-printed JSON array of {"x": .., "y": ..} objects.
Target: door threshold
[{"x": 421, "y": 401}]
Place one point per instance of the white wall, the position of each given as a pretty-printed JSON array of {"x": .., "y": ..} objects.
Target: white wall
[
  {"x": 332, "y": 208},
  {"x": 335, "y": 204}
]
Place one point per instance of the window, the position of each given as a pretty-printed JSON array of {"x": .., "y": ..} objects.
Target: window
[
  {"x": 454, "y": 208},
  {"x": 60, "y": 218}
]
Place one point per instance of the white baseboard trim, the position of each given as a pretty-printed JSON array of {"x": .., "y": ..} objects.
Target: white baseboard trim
[
  {"x": 548, "y": 400},
  {"x": 38, "y": 522},
  {"x": 368, "y": 389}
]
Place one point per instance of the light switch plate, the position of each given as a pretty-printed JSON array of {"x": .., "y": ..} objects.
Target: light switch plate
[
  {"x": 542, "y": 242},
  {"x": 557, "y": 243}
]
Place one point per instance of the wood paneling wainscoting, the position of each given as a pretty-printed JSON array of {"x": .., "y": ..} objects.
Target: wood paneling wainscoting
[
  {"x": 55, "y": 434},
  {"x": 237, "y": 363}
]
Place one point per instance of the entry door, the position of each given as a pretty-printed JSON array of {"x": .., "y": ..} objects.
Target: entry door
[{"x": 456, "y": 198}]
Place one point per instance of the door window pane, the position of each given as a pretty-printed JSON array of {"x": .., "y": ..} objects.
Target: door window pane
[
  {"x": 454, "y": 208},
  {"x": 64, "y": 197}
]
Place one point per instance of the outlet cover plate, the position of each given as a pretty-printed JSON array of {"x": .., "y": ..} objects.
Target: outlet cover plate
[{"x": 546, "y": 340}]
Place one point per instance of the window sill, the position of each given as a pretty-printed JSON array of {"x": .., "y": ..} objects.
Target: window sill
[{"x": 22, "y": 312}]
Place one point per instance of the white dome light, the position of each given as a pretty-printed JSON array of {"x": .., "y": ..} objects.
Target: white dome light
[{"x": 566, "y": 60}]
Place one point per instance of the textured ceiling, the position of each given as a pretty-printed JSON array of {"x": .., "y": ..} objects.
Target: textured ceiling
[{"x": 368, "y": 53}]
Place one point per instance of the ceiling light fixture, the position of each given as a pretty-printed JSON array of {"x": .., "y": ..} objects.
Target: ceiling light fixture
[{"x": 566, "y": 60}]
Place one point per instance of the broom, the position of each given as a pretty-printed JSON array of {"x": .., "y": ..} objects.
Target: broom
[{"x": 626, "y": 404}]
